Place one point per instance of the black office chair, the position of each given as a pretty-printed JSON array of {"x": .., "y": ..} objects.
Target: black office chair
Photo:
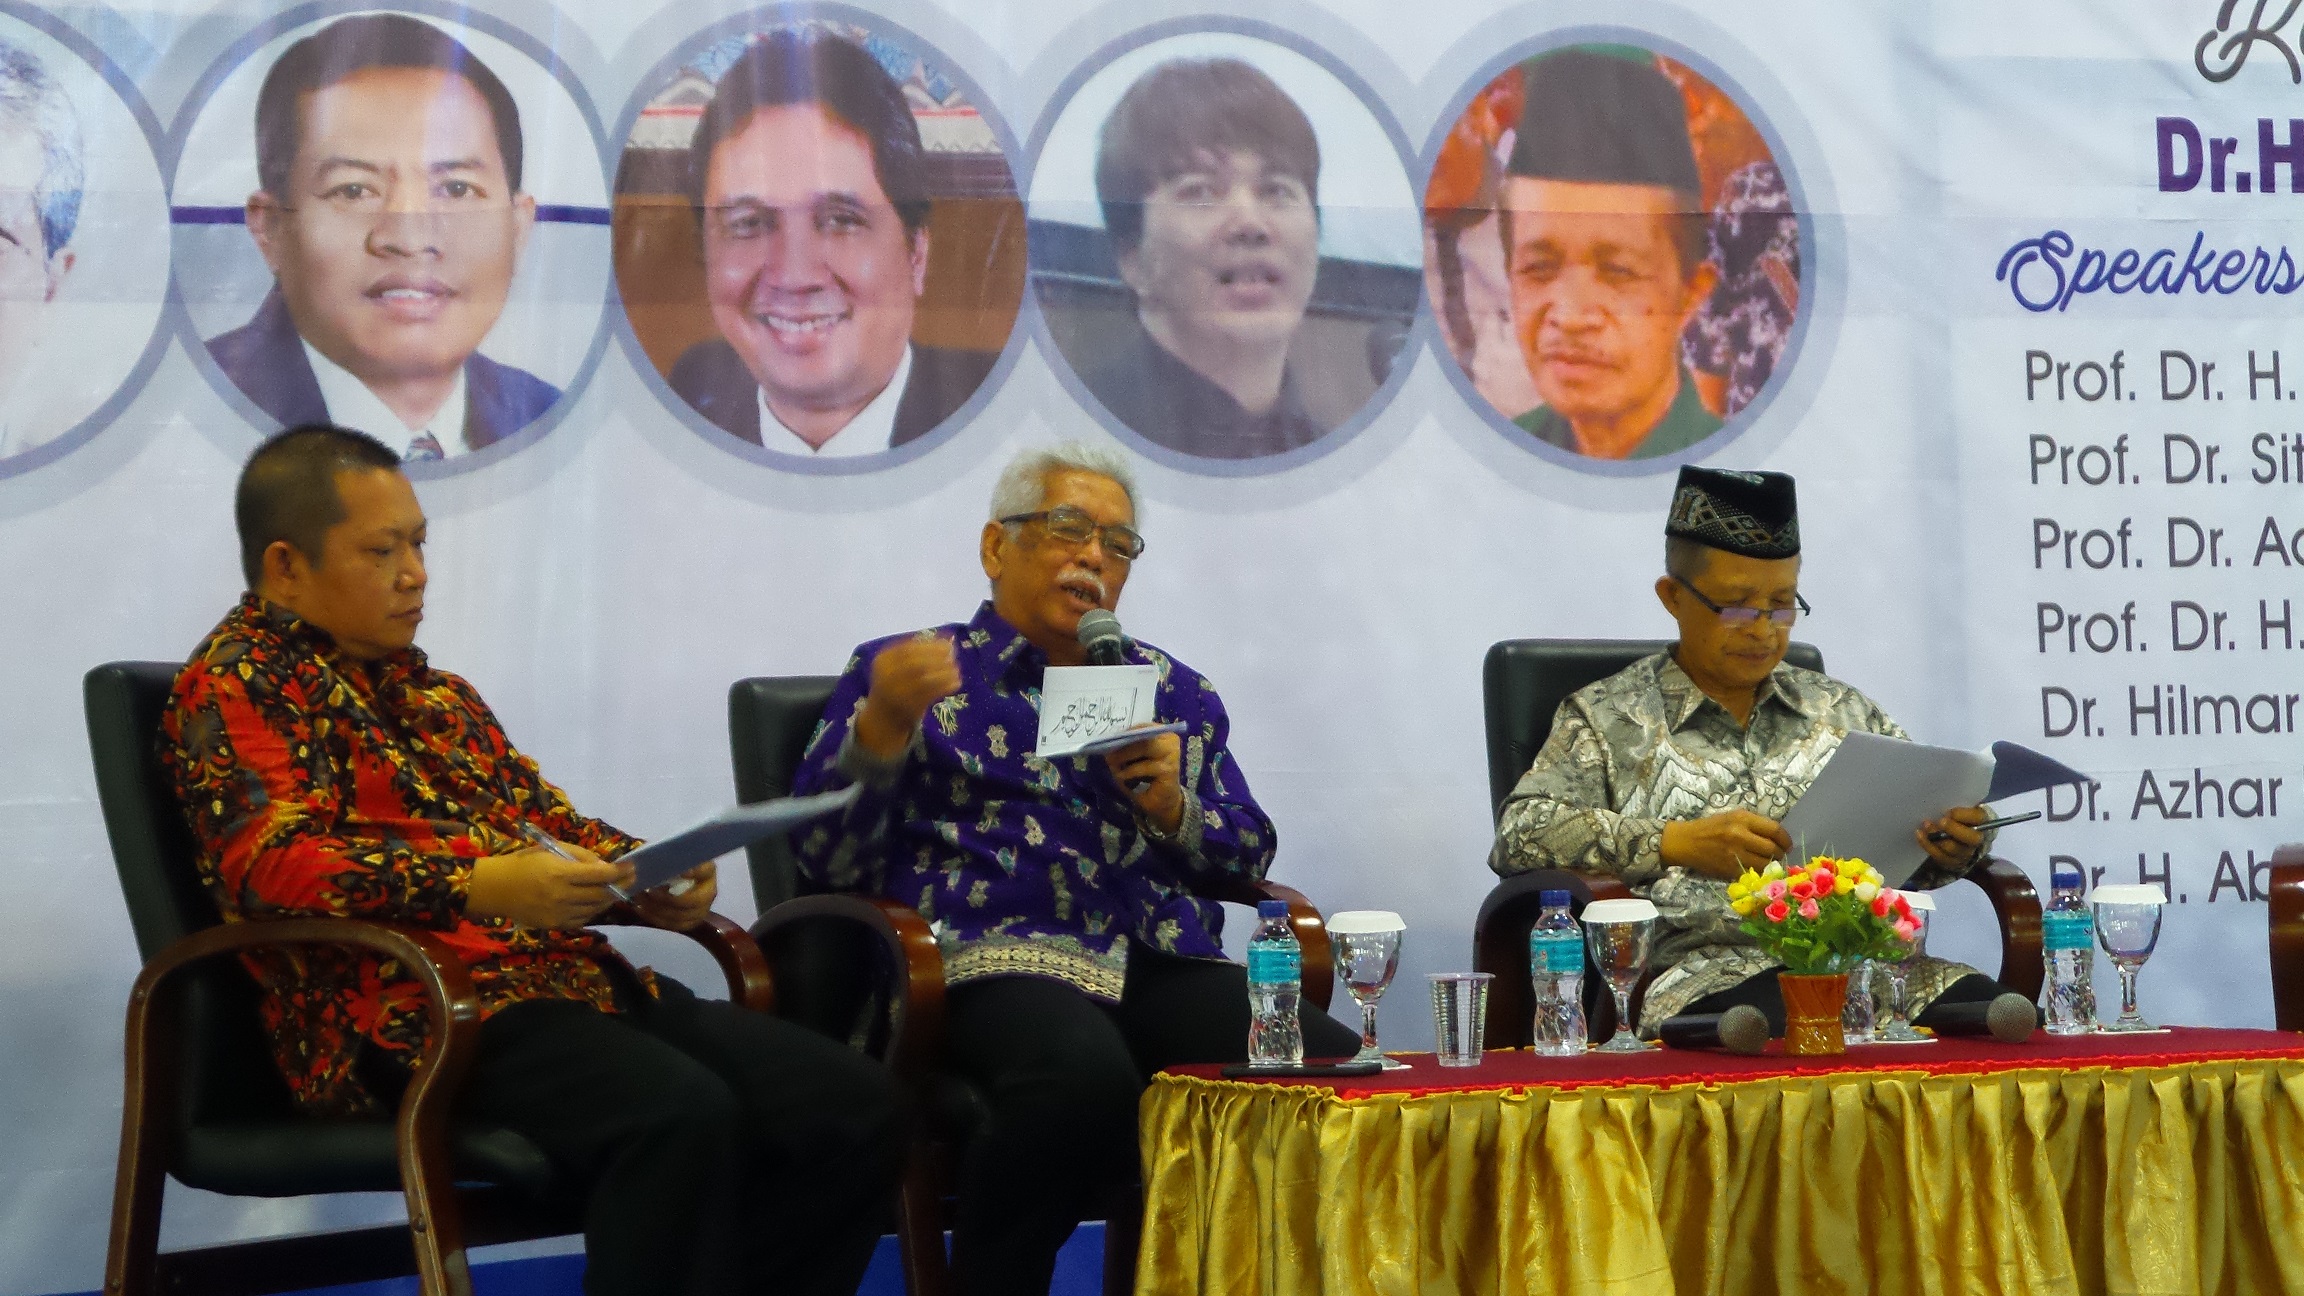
[
  {"x": 866, "y": 969},
  {"x": 206, "y": 1104},
  {"x": 1523, "y": 682}
]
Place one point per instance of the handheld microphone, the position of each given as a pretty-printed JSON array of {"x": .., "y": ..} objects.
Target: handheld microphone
[
  {"x": 1099, "y": 633},
  {"x": 2008, "y": 1018},
  {"x": 1741, "y": 1029}
]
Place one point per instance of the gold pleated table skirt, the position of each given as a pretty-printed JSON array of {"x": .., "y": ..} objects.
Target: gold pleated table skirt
[{"x": 2159, "y": 1164}]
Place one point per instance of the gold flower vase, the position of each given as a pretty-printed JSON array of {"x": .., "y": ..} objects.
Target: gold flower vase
[{"x": 1812, "y": 1013}]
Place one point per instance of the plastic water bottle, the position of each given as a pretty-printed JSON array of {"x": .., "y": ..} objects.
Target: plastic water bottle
[
  {"x": 1275, "y": 979},
  {"x": 2068, "y": 933},
  {"x": 1556, "y": 967}
]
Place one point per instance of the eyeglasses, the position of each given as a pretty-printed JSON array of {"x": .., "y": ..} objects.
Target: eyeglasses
[
  {"x": 1072, "y": 526},
  {"x": 1736, "y": 614}
]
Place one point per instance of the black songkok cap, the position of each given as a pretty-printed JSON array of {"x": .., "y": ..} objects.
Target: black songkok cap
[
  {"x": 1603, "y": 119},
  {"x": 1748, "y": 513}
]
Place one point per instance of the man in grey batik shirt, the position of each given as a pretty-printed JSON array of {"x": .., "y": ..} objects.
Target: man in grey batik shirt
[{"x": 1673, "y": 773}]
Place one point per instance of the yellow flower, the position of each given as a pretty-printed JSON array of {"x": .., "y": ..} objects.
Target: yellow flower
[
  {"x": 1843, "y": 884},
  {"x": 1744, "y": 905},
  {"x": 1740, "y": 888}
]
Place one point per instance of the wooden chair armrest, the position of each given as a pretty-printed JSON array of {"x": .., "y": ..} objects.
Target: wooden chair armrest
[
  {"x": 730, "y": 946},
  {"x": 1500, "y": 948},
  {"x": 916, "y": 1039},
  {"x": 2016, "y": 903},
  {"x": 421, "y": 1125},
  {"x": 1303, "y": 917},
  {"x": 2284, "y": 915}
]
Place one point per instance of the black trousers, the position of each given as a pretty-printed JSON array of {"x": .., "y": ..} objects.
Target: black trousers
[
  {"x": 1763, "y": 993},
  {"x": 719, "y": 1150},
  {"x": 1062, "y": 1074}
]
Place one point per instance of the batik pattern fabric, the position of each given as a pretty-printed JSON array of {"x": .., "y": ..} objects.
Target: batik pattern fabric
[
  {"x": 1645, "y": 747},
  {"x": 318, "y": 785},
  {"x": 1026, "y": 866},
  {"x": 1753, "y": 237}
]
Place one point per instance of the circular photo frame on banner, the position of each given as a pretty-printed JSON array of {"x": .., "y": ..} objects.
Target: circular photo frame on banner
[
  {"x": 1617, "y": 254},
  {"x": 819, "y": 241},
  {"x": 394, "y": 221},
  {"x": 1225, "y": 246},
  {"x": 83, "y": 264}
]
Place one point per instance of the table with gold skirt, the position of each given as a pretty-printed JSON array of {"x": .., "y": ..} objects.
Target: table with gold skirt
[{"x": 2167, "y": 1163}]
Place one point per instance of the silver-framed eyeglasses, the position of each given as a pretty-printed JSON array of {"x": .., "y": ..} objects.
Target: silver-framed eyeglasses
[
  {"x": 1073, "y": 526},
  {"x": 1736, "y": 614}
]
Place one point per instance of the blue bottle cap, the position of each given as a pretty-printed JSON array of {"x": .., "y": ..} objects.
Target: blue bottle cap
[
  {"x": 2064, "y": 877},
  {"x": 1553, "y": 899},
  {"x": 1271, "y": 908}
]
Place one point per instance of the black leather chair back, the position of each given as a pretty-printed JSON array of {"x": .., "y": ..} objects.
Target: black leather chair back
[
  {"x": 825, "y": 972},
  {"x": 770, "y": 719},
  {"x": 1524, "y": 681},
  {"x": 224, "y": 1060}
]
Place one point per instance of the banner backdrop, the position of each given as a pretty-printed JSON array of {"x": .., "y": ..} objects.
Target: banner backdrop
[{"x": 707, "y": 328}]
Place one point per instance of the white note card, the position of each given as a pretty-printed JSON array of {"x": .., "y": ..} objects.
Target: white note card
[{"x": 1080, "y": 704}]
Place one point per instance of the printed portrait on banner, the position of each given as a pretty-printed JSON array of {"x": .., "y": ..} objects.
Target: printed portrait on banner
[
  {"x": 819, "y": 242},
  {"x": 394, "y": 224},
  {"x": 1613, "y": 253},
  {"x": 1224, "y": 247},
  {"x": 83, "y": 272}
]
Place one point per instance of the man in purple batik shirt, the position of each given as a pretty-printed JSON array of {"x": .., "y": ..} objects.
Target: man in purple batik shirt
[{"x": 1078, "y": 957}]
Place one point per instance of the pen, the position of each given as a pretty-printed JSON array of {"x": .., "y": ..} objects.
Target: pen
[
  {"x": 2027, "y": 817},
  {"x": 544, "y": 840}
]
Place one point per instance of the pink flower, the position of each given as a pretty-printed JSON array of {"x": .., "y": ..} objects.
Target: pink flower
[
  {"x": 1774, "y": 890},
  {"x": 1808, "y": 908},
  {"x": 1823, "y": 877},
  {"x": 1881, "y": 905},
  {"x": 1778, "y": 911},
  {"x": 1906, "y": 929}
]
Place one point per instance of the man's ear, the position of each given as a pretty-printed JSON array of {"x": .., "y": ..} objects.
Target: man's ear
[
  {"x": 59, "y": 269},
  {"x": 1668, "y": 594},
  {"x": 919, "y": 242},
  {"x": 523, "y": 221},
  {"x": 988, "y": 548},
  {"x": 1131, "y": 269},
  {"x": 263, "y": 214},
  {"x": 283, "y": 570},
  {"x": 1699, "y": 291}
]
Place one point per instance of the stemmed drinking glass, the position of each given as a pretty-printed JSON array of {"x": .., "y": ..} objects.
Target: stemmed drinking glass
[
  {"x": 1899, "y": 973},
  {"x": 1368, "y": 950},
  {"x": 1618, "y": 934},
  {"x": 2128, "y": 926},
  {"x": 1856, "y": 1017}
]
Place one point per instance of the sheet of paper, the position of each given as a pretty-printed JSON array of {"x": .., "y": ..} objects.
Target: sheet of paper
[
  {"x": 1120, "y": 738},
  {"x": 666, "y": 858},
  {"x": 1874, "y": 792},
  {"x": 1079, "y": 704}
]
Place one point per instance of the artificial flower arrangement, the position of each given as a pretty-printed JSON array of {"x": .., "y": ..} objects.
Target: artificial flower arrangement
[{"x": 1823, "y": 917}]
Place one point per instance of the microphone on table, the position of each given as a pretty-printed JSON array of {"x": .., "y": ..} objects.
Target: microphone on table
[
  {"x": 1099, "y": 633},
  {"x": 2008, "y": 1018},
  {"x": 1741, "y": 1029}
]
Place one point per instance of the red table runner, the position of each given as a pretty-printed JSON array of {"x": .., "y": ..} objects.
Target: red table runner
[{"x": 1519, "y": 1069}]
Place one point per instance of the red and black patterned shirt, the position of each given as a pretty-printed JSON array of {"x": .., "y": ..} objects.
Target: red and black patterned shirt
[{"x": 317, "y": 784}]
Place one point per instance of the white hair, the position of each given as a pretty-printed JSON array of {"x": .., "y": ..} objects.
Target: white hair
[
  {"x": 32, "y": 101},
  {"x": 1023, "y": 484}
]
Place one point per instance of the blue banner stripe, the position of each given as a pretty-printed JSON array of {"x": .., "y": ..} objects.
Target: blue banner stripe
[{"x": 557, "y": 212}]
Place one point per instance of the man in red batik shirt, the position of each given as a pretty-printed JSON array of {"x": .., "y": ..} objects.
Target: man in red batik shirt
[{"x": 327, "y": 769}]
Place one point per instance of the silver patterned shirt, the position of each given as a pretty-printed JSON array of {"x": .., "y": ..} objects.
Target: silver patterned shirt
[{"x": 1645, "y": 747}]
